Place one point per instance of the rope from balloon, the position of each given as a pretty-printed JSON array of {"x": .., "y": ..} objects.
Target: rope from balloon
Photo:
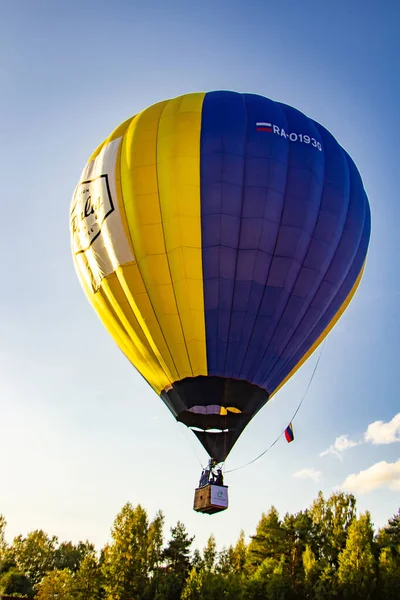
[
  {"x": 190, "y": 439},
  {"x": 291, "y": 420}
]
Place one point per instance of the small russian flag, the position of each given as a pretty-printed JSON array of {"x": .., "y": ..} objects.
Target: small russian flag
[
  {"x": 289, "y": 435},
  {"x": 263, "y": 126}
]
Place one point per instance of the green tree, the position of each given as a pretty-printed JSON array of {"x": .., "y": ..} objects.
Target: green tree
[
  {"x": 207, "y": 585},
  {"x": 69, "y": 556},
  {"x": 239, "y": 554},
  {"x": 268, "y": 541},
  {"x": 298, "y": 535},
  {"x": 331, "y": 520},
  {"x": 311, "y": 572},
  {"x": 270, "y": 581},
  {"x": 327, "y": 586},
  {"x": 197, "y": 560},
  {"x": 389, "y": 536},
  {"x": 389, "y": 575},
  {"x": 168, "y": 583},
  {"x": 210, "y": 554},
  {"x": 88, "y": 579},
  {"x": 279, "y": 585},
  {"x": 193, "y": 589},
  {"x": 131, "y": 560},
  {"x": 357, "y": 567},
  {"x": 34, "y": 555},
  {"x": 15, "y": 583},
  {"x": 57, "y": 585},
  {"x": 3, "y": 543},
  {"x": 177, "y": 552},
  {"x": 224, "y": 562}
]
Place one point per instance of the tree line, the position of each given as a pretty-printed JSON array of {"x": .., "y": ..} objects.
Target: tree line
[{"x": 326, "y": 552}]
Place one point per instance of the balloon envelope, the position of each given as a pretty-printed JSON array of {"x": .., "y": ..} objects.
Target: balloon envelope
[{"x": 219, "y": 237}]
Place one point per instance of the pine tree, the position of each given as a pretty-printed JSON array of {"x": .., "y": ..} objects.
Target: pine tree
[
  {"x": 392, "y": 534},
  {"x": 389, "y": 575},
  {"x": 176, "y": 556},
  {"x": 177, "y": 552},
  {"x": 268, "y": 541}
]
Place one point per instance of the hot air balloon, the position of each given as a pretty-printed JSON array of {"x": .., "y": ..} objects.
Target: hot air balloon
[{"x": 219, "y": 237}]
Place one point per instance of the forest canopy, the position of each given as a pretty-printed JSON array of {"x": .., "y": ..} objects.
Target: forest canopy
[{"x": 327, "y": 551}]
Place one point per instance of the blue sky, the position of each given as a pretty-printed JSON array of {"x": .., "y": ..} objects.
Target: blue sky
[{"x": 81, "y": 432}]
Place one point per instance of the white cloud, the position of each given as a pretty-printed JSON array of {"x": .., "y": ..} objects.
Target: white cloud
[
  {"x": 380, "y": 475},
  {"x": 377, "y": 433},
  {"x": 384, "y": 433},
  {"x": 308, "y": 473},
  {"x": 341, "y": 444}
]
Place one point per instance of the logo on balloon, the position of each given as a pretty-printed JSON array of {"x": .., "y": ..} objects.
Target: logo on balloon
[{"x": 91, "y": 206}]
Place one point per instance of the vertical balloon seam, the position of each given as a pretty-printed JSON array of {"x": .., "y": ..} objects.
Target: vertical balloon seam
[
  {"x": 184, "y": 113},
  {"x": 250, "y": 367},
  {"x": 333, "y": 252},
  {"x": 209, "y": 331},
  {"x": 143, "y": 325},
  {"x": 257, "y": 254},
  {"x": 112, "y": 324},
  {"x": 321, "y": 337},
  {"x": 123, "y": 281},
  {"x": 349, "y": 266},
  {"x": 140, "y": 116},
  {"x": 270, "y": 368},
  {"x": 107, "y": 311},
  {"x": 118, "y": 184},
  {"x": 273, "y": 332},
  {"x": 120, "y": 271},
  {"x": 325, "y": 332},
  {"x": 208, "y": 343},
  {"x": 246, "y": 140},
  {"x": 248, "y": 345},
  {"x": 163, "y": 233},
  {"x": 157, "y": 154},
  {"x": 137, "y": 269},
  {"x": 240, "y": 225},
  {"x": 128, "y": 328},
  {"x": 219, "y": 265},
  {"x": 339, "y": 312},
  {"x": 203, "y": 370}
]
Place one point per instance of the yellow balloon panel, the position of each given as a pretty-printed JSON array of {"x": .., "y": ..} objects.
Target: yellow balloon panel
[
  {"x": 160, "y": 165},
  {"x": 152, "y": 304}
]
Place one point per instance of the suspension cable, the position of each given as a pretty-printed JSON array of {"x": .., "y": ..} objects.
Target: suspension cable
[{"x": 295, "y": 413}]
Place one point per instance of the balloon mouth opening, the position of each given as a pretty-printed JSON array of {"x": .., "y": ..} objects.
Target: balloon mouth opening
[
  {"x": 211, "y": 430},
  {"x": 216, "y": 409}
]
